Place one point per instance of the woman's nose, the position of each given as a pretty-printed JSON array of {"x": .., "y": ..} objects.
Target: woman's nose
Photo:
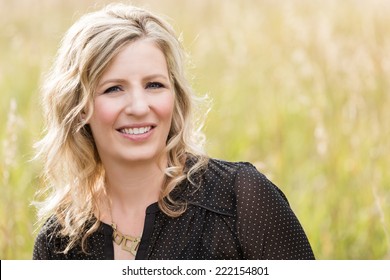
[{"x": 137, "y": 103}]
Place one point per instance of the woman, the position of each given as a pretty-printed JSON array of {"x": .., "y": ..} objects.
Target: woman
[{"x": 127, "y": 176}]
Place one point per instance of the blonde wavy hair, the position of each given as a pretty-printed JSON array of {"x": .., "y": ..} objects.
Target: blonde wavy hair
[{"x": 73, "y": 172}]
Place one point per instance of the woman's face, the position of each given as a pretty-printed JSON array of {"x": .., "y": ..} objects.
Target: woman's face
[{"x": 133, "y": 105}]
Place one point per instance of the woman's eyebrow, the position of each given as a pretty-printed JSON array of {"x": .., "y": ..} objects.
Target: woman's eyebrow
[
  {"x": 109, "y": 81},
  {"x": 156, "y": 76},
  {"x": 145, "y": 78}
]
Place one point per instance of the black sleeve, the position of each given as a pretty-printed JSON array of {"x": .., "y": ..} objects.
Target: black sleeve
[{"x": 266, "y": 225}]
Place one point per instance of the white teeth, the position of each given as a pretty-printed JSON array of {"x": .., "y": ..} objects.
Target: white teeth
[{"x": 136, "y": 131}]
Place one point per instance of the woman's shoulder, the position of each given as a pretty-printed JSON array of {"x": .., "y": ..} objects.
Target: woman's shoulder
[
  {"x": 47, "y": 239},
  {"x": 241, "y": 177},
  {"x": 50, "y": 228},
  {"x": 231, "y": 168},
  {"x": 223, "y": 183},
  {"x": 236, "y": 174},
  {"x": 50, "y": 243}
]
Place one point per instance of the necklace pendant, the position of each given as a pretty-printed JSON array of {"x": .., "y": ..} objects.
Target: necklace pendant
[
  {"x": 130, "y": 244},
  {"x": 116, "y": 235}
]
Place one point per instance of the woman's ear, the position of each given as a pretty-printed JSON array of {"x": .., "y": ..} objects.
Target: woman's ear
[
  {"x": 85, "y": 114},
  {"x": 83, "y": 117}
]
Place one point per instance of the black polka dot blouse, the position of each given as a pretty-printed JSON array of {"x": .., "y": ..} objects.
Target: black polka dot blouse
[{"x": 236, "y": 213}]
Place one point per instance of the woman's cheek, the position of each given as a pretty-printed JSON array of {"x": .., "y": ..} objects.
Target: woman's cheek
[
  {"x": 166, "y": 105},
  {"x": 105, "y": 110}
]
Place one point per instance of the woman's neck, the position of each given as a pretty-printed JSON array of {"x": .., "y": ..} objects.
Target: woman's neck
[
  {"x": 131, "y": 188},
  {"x": 134, "y": 185}
]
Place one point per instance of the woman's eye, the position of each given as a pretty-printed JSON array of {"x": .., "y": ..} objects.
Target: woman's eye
[
  {"x": 113, "y": 89},
  {"x": 154, "y": 85}
]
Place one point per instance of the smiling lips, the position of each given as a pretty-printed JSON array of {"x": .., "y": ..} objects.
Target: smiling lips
[{"x": 136, "y": 130}]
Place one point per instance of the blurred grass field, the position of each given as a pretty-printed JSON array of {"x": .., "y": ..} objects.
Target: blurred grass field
[{"x": 300, "y": 88}]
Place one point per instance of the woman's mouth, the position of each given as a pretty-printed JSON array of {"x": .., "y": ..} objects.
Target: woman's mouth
[{"x": 136, "y": 130}]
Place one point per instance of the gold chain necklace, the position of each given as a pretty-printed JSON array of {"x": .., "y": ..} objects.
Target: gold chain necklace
[{"x": 127, "y": 242}]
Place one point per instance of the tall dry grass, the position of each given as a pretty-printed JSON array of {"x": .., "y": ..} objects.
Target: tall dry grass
[{"x": 300, "y": 88}]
